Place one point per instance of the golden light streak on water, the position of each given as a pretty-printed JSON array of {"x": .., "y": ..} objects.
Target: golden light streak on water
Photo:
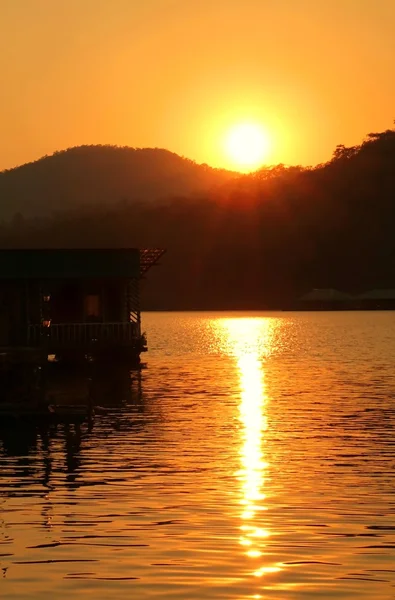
[{"x": 249, "y": 342}]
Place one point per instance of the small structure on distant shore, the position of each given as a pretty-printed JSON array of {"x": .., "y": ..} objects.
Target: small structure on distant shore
[
  {"x": 73, "y": 303},
  {"x": 331, "y": 299},
  {"x": 324, "y": 299},
  {"x": 376, "y": 300}
]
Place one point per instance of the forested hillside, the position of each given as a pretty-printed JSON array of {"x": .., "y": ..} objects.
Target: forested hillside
[
  {"x": 256, "y": 241},
  {"x": 101, "y": 176}
]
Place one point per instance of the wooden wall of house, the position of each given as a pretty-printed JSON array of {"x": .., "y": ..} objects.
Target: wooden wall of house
[
  {"x": 67, "y": 302},
  {"x": 33, "y": 302},
  {"x": 88, "y": 301},
  {"x": 13, "y": 313},
  {"x": 114, "y": 299},
  {"x": 21, "y": 304}
]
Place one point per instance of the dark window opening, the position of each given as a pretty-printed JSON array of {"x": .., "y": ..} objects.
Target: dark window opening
[{"x": 93, "y": 308}]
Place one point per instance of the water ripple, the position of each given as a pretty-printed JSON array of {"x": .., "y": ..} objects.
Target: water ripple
[{"x": 253, "y": 458}]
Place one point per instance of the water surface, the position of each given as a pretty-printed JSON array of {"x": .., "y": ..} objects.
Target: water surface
[{"x": 254, "y": 458}]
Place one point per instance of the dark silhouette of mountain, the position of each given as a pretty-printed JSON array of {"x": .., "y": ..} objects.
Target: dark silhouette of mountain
[
  {"x": 255, "y": 241},
  {"x": 101, "y": 176}
]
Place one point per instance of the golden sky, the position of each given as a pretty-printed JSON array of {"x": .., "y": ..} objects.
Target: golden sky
[{"x": 178, "y": 73}]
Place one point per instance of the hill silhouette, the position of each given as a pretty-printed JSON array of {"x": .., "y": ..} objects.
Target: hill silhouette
[
  {"x": 254, "y": 241},
  {"x": 87, "y": 176}
]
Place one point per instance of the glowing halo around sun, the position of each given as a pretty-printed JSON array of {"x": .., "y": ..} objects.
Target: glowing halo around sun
[{"x": 247, "y": 145}]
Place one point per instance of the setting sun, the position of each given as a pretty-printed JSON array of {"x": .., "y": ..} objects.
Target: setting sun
[{"x": 247, "y": 145}]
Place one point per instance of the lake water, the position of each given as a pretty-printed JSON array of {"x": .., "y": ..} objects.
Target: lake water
[{"x": 254, "y": 459}]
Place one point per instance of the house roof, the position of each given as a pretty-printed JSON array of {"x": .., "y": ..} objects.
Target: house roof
[
  {"x": 70, "y": 264},
  {"x": 325, "y": 295}
]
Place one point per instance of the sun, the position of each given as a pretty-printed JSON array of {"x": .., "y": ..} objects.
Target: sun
[{"x": 247, "y": 145}]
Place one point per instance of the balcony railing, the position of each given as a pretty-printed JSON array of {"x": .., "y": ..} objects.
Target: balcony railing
[{"x": 62, "y": 335}]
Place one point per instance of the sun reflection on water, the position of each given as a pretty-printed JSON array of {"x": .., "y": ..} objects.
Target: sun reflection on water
[{"x": 249, "y": 342}]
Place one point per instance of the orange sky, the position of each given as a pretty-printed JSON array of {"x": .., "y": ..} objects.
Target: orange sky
[{"x": 177, "y": 73}]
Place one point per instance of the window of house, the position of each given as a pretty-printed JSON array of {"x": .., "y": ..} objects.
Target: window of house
[{"x": 92, "y": 306}]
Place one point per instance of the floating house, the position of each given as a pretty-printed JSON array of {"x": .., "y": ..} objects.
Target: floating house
[{"x": 73, "y": 303}]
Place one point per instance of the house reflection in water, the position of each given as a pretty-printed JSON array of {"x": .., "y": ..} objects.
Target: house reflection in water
[{"x": 41, "y": 451}]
